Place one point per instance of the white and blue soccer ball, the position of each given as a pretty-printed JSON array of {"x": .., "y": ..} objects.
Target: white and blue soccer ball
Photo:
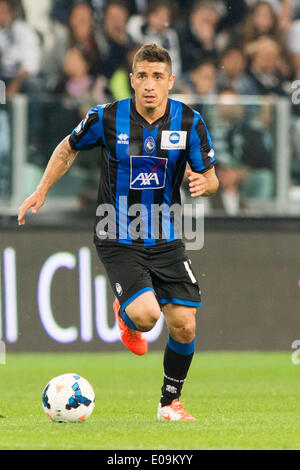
[{"x": 68, "y": 398}]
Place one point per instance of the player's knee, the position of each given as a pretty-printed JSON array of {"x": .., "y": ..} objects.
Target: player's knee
[
  {"x": 147, "y": 319},
  {"x": 185, "y": 332}
]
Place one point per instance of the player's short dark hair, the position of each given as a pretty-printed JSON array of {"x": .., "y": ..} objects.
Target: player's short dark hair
[{"x": 152, "y": 53}]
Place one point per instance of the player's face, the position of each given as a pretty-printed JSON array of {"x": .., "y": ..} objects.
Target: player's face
[{"x": 151, "y": 82}]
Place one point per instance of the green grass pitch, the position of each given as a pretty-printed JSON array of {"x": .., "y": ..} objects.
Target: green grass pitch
[{"x": 241, "y": 401}]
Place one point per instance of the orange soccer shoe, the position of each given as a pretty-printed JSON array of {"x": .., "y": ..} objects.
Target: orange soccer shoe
[
  {"x": 132, "y": 339},
  {"x": 173, "y": 412}
]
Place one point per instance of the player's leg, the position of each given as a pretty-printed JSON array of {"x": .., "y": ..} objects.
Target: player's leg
[
  {"x": 135, "y": 305},
  {"x": 178, "y": 356},
  {"x": 140, "y": 315},
  {"x": 179, "y": 295},
  {"x": 179, "y": 350},
  {"x": 144, "y": 311}
]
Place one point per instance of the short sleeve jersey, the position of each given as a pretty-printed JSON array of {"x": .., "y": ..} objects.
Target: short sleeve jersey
[{"x": 142, "y": 166}]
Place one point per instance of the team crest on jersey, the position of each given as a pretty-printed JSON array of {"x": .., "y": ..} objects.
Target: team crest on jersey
[
  {"x": 173, "y": 140},
  {"x": 147, "y": 172},
  {"x": 119, "y": 289},
  {"x": 149, "y": 144}
]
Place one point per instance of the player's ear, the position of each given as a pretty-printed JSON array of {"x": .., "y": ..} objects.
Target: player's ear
[
  {"x": 131, "y": 79},
  {"x": 171, "y": 81}
]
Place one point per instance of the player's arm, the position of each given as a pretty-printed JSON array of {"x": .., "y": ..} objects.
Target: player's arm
[
  {"x": 201, "y": 172},
  {"x": 60, "y": 161},
  {"x": 202, "y": 184},
  {"x": 88, "y": 134}
]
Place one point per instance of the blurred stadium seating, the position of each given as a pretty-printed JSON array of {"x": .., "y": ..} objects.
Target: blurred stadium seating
[{"x": 238, "y": 63}]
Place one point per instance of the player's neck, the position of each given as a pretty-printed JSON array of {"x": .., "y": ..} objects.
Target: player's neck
[{"x": 151, "y": 114}]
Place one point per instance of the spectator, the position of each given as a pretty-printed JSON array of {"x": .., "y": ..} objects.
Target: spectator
[
  {"x": 264, "y": 76},
  {"x": 232, "y": 70},
  {"x": 261, "y": 21},
  {"x": 80, "y": 32},
  {"x": 83, "y": 32},
  {"x": 224, "y": 123},
  {"x": 155, "y": 27},
  {"x": 198, "y": 37},
  {"x": 37, "y": 15},
  {"x": 204, "y": 79},
  {"x": 244, "y": 147},
  {"x": 293, "y": 46},
  {"x": 20, "y": 52},
  {"x": 78, "y": 82},
  {"x": 61, "y": 8},
  {"x": 265, "y": 19},
  {"x": 114, "y": 41}
]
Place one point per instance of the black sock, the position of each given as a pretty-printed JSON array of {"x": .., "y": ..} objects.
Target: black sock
[{"x": 176, "y": 367}]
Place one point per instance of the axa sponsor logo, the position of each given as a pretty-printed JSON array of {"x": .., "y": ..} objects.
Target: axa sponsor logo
[
  {"x": 148, "y": 172},
  {"x": 146, "y": 179}
]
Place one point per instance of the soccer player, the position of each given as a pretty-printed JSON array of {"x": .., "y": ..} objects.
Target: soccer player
[{"x": 145, "y": 144}]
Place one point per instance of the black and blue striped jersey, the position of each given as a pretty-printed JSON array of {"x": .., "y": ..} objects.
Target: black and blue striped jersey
[{"x": 142, "y": 165}]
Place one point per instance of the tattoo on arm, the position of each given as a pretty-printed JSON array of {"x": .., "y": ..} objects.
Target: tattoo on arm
[{"x": 66, "y": 154}]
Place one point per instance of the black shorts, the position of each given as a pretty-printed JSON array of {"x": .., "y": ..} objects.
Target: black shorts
[{"x": 166, "y": 271}]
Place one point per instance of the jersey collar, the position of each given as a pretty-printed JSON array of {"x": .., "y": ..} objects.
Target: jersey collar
[{"x": 138, "y": 117}]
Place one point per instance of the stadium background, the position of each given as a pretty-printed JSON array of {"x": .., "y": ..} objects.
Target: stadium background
[{"x": 237, "y": 63}]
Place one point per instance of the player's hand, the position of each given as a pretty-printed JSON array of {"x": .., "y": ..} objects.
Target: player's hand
[
  {"x": 36, "y": 200},
  {"x": 198, "y": 183}
]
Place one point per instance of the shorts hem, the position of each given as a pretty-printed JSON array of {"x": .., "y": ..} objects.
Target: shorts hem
[
  {"x": 135, "y": 296},
  {"x": 188, "y": 303}
]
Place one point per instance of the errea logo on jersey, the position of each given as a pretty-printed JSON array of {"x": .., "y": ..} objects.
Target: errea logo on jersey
[
  {"x": 81, "y": 125},
  {"x": 173, "y": 140},
  {"x": 211, "y": 154},
  {"x": 123, "y": 139},
  {"x": 147, "y": 172}
]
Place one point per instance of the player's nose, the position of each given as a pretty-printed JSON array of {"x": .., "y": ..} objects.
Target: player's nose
[{"x": 149, "y": 85}]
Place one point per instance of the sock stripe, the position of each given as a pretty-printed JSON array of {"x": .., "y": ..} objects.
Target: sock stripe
[
  {"x": 182, "y": 348},
  {"x": 179, "y": 381}
]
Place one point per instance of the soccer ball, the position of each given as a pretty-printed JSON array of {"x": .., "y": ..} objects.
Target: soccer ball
[{"x": 68, "y": 398}]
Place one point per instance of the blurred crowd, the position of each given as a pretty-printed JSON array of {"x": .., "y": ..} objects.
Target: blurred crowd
[
  {"x": 82, "y": 51},
  {"x": 84, "y": 48}
]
